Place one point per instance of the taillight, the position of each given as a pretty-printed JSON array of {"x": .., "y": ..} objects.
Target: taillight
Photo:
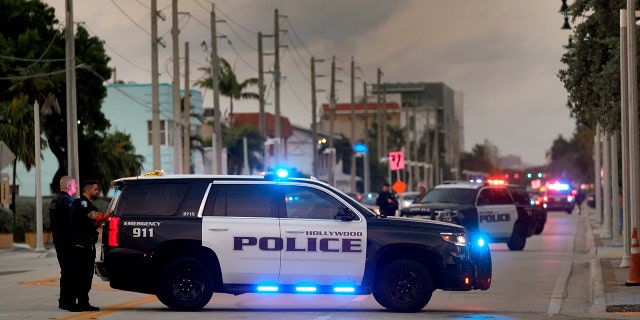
[{"x": 114, "y": 229}]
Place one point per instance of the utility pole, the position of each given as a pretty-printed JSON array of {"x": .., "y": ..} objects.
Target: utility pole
[
  {"x": 215, "y": 66},
  {"x": 332, "y": 114},
  {"x": 353, "y": 129},
  {"x": 73, "y": 168},
  {"x": 379, "y": 118},
  {"x": 187, "y": 114},
  {"x": 177, "y": 115},
  {"x": 385, "y": 149},
  {"x": 263, "y": 128},
  {"x": 624, "y": 116},
  {"x": 632, "y": 64},
  {"x": 155, "y": 95},
  {"x": 276, "y": 81},
  {"x": 367, "y": 187},
  {"x": 314, "y": 124}
]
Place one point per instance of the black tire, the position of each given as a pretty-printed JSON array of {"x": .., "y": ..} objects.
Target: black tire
[
  {"x": 185, "y": 284},
  {"x": 518, "y": 238},
  {"x": 403, "y": 286},
  {"x": 539, "y": 228}
]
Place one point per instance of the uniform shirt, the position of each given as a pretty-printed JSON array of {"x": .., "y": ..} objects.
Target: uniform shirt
[
  {"x": 84, "y": 230},
  {"x": 60, "y": 213},
  {"x": 387, "y": 208}
]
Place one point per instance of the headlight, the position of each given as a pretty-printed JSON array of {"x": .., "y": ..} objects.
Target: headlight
[{"x": 457, "y": 239}]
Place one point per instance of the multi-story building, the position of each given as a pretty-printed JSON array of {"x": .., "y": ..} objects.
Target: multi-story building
[{"x": 128, "y": 108}]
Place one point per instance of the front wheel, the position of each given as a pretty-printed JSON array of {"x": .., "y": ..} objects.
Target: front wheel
[
  {"x": 403, "y": 286},
  {"x": 185, "y": 285},
  {"x": 518, "y": 238}
]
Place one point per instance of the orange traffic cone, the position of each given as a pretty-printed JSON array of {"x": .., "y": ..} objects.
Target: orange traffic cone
[{"x": 634, "y": 266}]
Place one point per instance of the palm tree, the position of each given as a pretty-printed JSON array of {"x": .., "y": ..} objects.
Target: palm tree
[
  {"x": 229, "y": 85},
  {"x": 17, "y": 131}
]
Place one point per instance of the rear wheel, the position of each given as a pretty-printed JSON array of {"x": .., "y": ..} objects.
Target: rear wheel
[
  {"x": 185, "y": 285},
  {"x": 403, "y": 286},
  {"x": 518, "y": 238}
]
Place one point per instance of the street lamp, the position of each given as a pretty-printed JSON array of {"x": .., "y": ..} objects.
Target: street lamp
[{"x": 563, "y": 10}]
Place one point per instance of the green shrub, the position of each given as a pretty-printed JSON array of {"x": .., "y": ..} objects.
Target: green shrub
[
  {"x": 6, "y": 220},
  {"x": 26, "y": 216}
]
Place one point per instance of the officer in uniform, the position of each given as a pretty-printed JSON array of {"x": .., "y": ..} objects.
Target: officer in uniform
[
  {"x": 85, "y": 220},
  {"x": 60, "y": 212},
  {"x": 386, "y": 201}
]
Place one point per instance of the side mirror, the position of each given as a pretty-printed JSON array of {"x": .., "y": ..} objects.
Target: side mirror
[{"x": 345, "y": 214}]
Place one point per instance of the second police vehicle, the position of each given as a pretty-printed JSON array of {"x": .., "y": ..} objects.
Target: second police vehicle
[
  {"x": 484, "y": 209},
  {"x": 185, "y": 237}
]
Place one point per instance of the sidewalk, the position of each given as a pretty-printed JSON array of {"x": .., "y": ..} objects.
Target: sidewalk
[{"x": 610, "y": 293}]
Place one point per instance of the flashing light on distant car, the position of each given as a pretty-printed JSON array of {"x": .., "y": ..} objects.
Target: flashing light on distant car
[
  {"x": 495, "y": 182},
  {"x": 558, "y": 186}
]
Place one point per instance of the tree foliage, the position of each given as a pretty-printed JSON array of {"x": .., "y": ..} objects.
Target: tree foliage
[
  {"x": 592, "y": 59},
  {"x": 32, "y": 56}
]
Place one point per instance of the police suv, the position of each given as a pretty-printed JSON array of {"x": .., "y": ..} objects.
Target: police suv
[
  {"x": 487, "y": 210},
  {"x": 185, "y": 237}
]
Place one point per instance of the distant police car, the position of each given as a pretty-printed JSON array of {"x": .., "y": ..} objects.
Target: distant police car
[
  {"x": 185, "y": 237},
  {"x": 484, "y": 209}
]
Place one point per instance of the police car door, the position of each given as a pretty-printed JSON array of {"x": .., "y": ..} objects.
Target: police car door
[
  {"x": 319, "y": 249},
  {"x": 240, "y": 225},
  {"x": 496, "y": 212}
]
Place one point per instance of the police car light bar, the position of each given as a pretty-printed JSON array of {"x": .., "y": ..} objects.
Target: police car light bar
[
  {"x": 558, "y": 186},
  {"x": 267, "y": 289},
  {"x": 344, "y": 290},
  {"x": 306, "y": 289}
]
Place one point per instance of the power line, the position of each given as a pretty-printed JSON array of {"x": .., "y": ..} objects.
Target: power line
[
  {"x": 240, "y": 56},
  {"x": 130, "y": 19},
  {"x": 297, "y": 37},
  {"x": 298, "y": 52},
  {"x": 120, "y": 55},
  {"x": 30, "y": 60},
  {"x": 298, "y": 66}
]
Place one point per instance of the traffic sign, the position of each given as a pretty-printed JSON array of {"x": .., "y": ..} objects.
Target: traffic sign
[
  {"x": 399, "y": 186},
  {"x": 396, "y": 160}
]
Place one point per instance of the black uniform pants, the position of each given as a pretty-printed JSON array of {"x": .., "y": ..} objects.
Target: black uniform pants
[
  {"x": 64, "y": 253},
  {"x": 84, "y": 258}
]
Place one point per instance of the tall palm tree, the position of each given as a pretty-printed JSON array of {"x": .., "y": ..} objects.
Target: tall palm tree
[
  {"x": 229, "y": 85},
  {"x": 17, "y": 131}
]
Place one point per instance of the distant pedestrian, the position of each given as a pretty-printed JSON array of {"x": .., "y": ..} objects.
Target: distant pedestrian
[
  {"x": 386, "y": 201},
  {"x": 580, "y": 196},
  {"x": 60, "y": 213},
  {"x": 85, "y": 220},
  {"x": 422, "y": 191}
]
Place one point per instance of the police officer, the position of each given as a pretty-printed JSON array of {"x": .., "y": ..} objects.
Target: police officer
[
  {"x": 387, "y": 203},
  {"x": 85, "y": 220},
  {"x": 60, "y": 212}
]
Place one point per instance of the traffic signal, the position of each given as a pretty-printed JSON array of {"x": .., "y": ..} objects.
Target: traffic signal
[{"x": 529, "y": 175}]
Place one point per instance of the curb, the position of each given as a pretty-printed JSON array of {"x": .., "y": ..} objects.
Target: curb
[{"x": 598, "y": 296}]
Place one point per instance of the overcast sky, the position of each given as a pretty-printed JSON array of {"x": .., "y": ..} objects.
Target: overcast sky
[{"x": 503, "y": 55}]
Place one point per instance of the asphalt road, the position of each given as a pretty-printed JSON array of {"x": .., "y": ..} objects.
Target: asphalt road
[{"x": 544, "y": 280}]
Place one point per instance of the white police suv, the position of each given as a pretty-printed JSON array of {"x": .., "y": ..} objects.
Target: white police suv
[
  {"x": 185, "y": 237},
  {"x": 483, "y": 209}
]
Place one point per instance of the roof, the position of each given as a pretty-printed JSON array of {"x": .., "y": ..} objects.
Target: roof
[
  {"x": 359, "y": 107},
  {"x": 253, "y": 119}
]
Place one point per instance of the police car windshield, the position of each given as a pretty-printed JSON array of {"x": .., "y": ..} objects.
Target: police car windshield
[{"x": 450, "y": 195}]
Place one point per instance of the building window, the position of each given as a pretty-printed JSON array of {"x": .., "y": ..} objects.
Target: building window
[{"x": 165, "y": 135}]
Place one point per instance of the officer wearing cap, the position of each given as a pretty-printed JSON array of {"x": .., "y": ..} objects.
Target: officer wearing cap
[{"x": 386, "y": 201}]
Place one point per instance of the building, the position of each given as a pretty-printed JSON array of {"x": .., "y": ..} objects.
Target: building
[{"x": 128, "y": 108}]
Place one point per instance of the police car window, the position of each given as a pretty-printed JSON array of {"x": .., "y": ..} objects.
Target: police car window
[
  {"x": 308, "y": 203},
  {"x": 499, "y": 196},
  {"x": 153, "y": 199},
  {"x": 520, "y": 196},
  {"x": 241, "y": 200},
  {"x": 450, "y": 195}
]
